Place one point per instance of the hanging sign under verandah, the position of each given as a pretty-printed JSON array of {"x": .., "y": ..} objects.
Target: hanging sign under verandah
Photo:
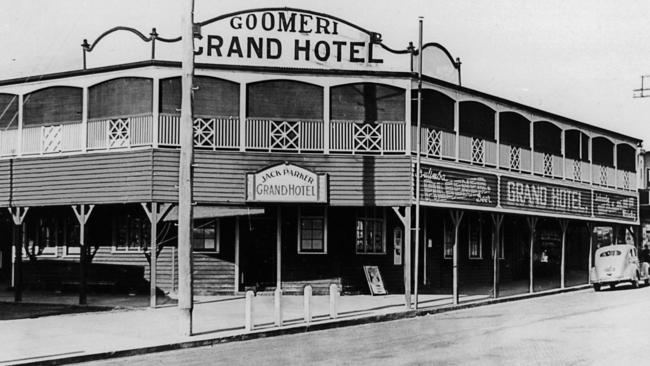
[{"x": 286, "y": 183}]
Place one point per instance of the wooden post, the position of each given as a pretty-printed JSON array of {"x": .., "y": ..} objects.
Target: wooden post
[
  {"x": 278, "y": 250},
  {"x": 82, "y": 212},
  {"x": 236, "y": 288},
  {"x": 456, "y": 217},
  {"x": 84, "y": 119},
  {"x": 497, "y": 221},
  {"x": 326, "y": 119},
  {"x": 334, "y": 295},
  {"x": 425, "y": 243},
  {"x": 406, "y": 221},
  {"x": 564, "y": 223},
  {"x": 590, "y": 228},
  {"x": 185, "y": 284},
  {"x": 155, "y": 115},
  {"x": 155, "y": 212},
  {"x": 18, "y": 218},
  {"x": 418, "y": 168},
  {"x": 532, "y": 223},
  {"x": 242, "y": 117},
  {"x": 248, "y": 311},
  {"x": 407, "y": 257}
]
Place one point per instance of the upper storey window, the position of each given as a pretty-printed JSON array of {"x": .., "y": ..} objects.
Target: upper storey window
[
  {"x": 368, "y": 102},
  {"x": 284, "y": 99},
  {"x": 8, "y": 111},
  {"x": 476, "y": 120},
  {"x": 120, "y": 97},
  {"x": 576, "y": 145},
  {"x": 58, "y": 104},
  {"x": 212, "y": 97},
  {"x": 514, "y": 129},
  {"x": 625, "y": 157},
  {"x": 437, "y": 110},
  {"x": 602, "y": 151},
  {"x": 547, "y": 138}
]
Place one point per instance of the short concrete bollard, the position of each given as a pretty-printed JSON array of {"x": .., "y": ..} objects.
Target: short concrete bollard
[
  {"x": 307, "y": 303},
  {"x": 334, "y": 301},
  {"x": 248, "y": 321},
  {"x": 277, "y": 301}
]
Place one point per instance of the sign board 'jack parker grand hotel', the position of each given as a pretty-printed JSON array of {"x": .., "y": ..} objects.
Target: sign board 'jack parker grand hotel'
[{"x": 304, "y": 170}]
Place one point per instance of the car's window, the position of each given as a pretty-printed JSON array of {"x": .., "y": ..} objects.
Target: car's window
[{"x": 610, "y": 253}]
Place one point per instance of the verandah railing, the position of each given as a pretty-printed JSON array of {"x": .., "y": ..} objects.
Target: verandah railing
[{"x": 214, "y": 132}]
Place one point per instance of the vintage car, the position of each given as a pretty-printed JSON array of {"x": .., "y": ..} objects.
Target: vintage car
[{"x": 618, "y": 263}]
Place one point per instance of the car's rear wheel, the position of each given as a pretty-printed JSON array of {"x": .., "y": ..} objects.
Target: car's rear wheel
[{"x": 596, "y": 287}]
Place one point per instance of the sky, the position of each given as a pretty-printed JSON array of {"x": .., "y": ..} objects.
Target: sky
[{"x": 576, "y": 58}]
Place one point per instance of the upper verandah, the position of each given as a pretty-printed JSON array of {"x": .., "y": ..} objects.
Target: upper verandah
[
  {"x": 163, "y": 69},
  {"x": 324, "y": 111}
]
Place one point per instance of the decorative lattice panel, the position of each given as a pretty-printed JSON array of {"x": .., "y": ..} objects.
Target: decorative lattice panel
[
  {"x": 52, "y": 139},
  {"x": 367, "y": 137},
  {"x": 478, "y": 151},
  {"x": 118, "y": 133},
  {"x": 515, "y": 158},
  {"x": 603, "y": 175},
  {"x": 548, "y": 164},
  {"x": 434, "y": 143},
  {"x": 204, "y": 132},
  {"x": 626, "y": 180},
  {"x": 285, "y": 135},
  {"x": 577, "y": 170}
]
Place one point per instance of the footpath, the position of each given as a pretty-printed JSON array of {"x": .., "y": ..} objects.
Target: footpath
[{"x": 131, "y": 328}]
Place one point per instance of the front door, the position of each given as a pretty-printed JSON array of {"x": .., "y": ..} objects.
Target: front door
[{"x": 258, "y": 250}]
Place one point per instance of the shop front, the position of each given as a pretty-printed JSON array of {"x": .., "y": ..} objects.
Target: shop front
[{"x": 502, "y": 234}]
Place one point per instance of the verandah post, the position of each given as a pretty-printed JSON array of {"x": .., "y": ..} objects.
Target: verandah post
[
  {"x": 82, "y": 212},
  {"x": 155, "y": 212},
  {"x": 564, "y": 223},
  {"x": 407, "y": 257},
  {"x": 532, "y": 223},
  {"x": 18, "y": 218},
  {"x": 497, "y": 221},
  {"x": 456, "y": 218}
]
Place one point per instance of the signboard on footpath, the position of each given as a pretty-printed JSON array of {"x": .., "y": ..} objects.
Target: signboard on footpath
[
  {"x": 457, "y": 186},
  {"x": 544, "y": 197},
  {"x": 286, "y": 183}
]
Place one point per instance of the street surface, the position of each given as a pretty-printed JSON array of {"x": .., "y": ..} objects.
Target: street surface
[{"x": 611, "y": 327}]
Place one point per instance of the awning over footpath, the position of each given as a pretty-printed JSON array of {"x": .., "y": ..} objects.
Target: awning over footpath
[{"x": 212, "y": 212}]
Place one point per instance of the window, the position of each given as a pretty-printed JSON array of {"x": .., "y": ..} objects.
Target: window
[
  {"x": 312, "y": 233},
  {"x": 370, "y": 232},
  {"x": 448, "y": 247},
  {"x": 130, "y": 233},
  {"x": 475, "y": 235},
  {"x": 205, "y": 235}
]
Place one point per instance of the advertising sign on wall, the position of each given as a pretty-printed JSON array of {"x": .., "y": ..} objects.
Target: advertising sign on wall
[
  {"x": 615, "y": 206},
  {"x": 544, "y": 197},
  {"x": 286, "y": 183},
  {"x": 457, "y": 186}
]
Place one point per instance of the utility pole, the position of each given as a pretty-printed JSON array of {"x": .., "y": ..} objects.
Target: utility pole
[
  {"x": 185, "y": 285},
  {"x": 418, "y": 168},
  {"x": 643, "y": 91}
]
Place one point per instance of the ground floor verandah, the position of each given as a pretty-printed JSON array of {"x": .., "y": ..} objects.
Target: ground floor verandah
[{"x": 314, "y": 245}]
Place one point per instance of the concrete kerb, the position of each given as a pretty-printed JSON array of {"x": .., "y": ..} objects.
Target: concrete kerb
[{"x": 298, "y": 328}]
